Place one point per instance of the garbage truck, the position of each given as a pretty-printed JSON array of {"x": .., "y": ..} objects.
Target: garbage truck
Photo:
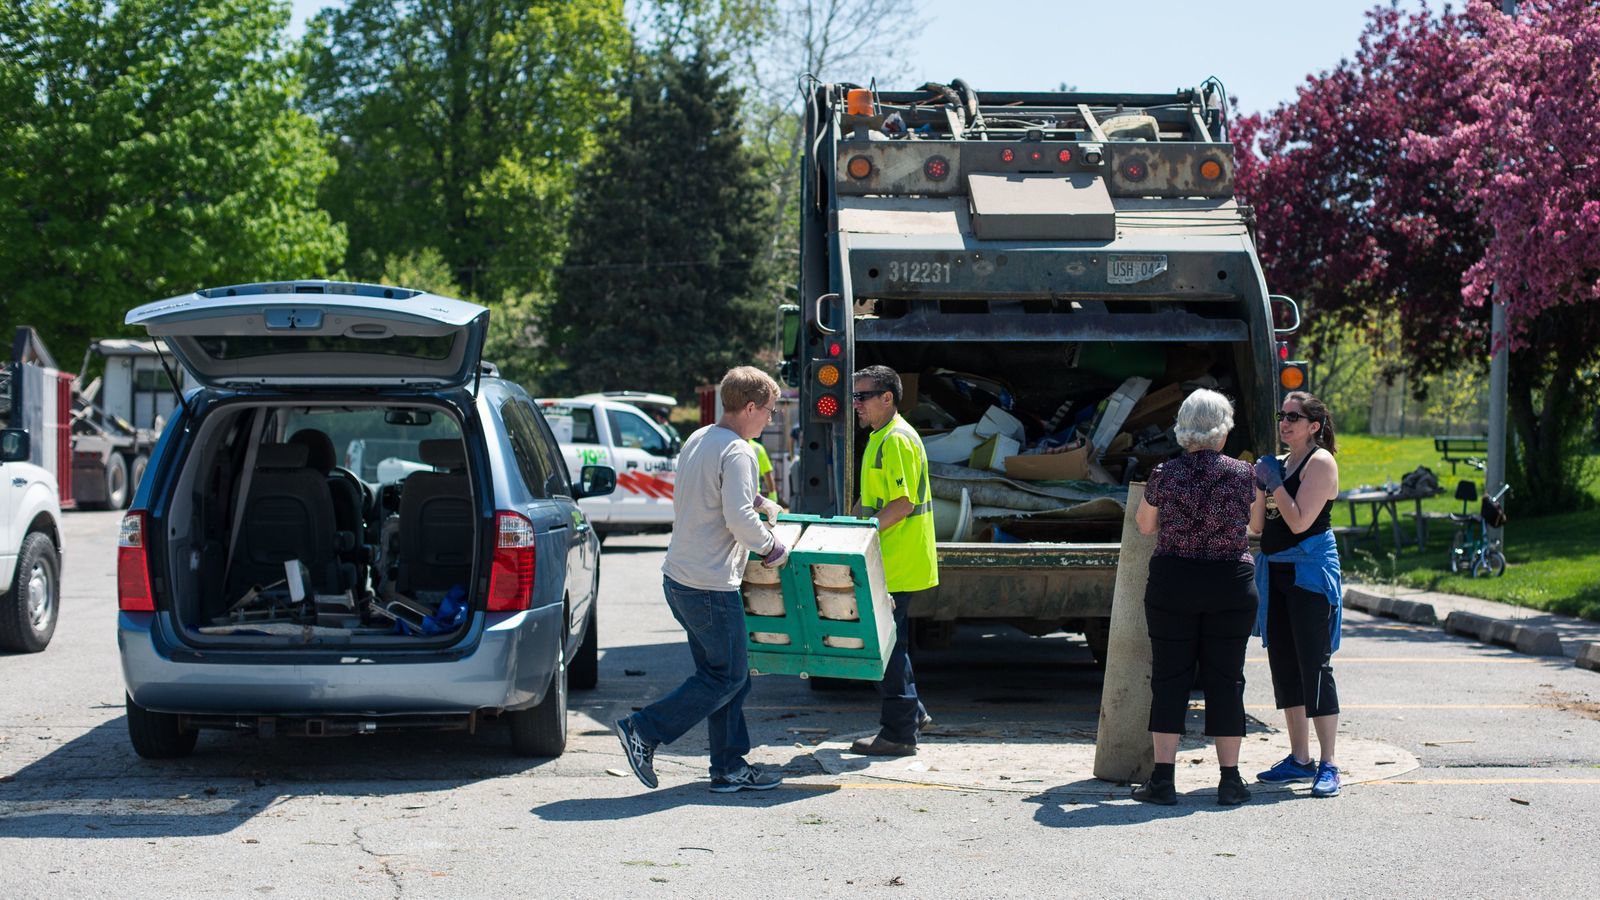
[{"x": 1050, "y": 274}]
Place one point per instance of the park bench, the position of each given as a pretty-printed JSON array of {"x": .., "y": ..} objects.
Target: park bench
[{"x": 1458, "y": 448}]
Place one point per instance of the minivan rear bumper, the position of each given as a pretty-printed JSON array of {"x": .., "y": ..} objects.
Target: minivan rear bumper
[{"x": 509, "y": 667}]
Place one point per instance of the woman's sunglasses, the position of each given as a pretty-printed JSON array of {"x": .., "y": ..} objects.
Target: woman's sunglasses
[{"x": 1293, "y": 417}]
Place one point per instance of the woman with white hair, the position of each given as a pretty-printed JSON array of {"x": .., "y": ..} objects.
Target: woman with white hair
[{"x": 1200, "y": 603}]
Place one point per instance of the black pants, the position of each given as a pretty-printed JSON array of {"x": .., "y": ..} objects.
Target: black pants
[
  {"x": 1300, "y": 645},
  {"x": 1199, "y": 611},
  {"x": 902, "y": 708}
]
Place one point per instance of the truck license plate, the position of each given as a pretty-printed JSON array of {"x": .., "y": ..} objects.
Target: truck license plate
[{"x": 1132, "y": 268}]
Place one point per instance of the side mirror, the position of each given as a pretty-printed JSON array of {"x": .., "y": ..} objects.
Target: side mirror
[
  {"x": 788, "y": 330},
  {"x": 597, "y": 481},
  {"x": 14, "y": 445}
]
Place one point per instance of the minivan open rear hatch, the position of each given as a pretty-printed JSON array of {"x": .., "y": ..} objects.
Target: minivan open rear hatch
[{"x": 320, "y": 334}]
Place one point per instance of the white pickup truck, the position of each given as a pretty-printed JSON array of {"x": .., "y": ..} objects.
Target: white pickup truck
[
  {"x": 599, "y": 431},
  {"x": 30, "y": 538}
]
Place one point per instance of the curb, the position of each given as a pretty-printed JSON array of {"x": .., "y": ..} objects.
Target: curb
[
  {"x": 1391, "y": 607},
  {"x": 1504, "y": 633},
  {"x": 1589, "y": 657}
]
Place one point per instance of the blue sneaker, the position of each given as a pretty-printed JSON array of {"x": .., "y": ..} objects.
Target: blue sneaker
[
  {"x": 1288, "y": 771},
  {"x": 1327, "y": 783}
]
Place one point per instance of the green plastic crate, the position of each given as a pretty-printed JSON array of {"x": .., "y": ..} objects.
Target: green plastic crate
[{"x": 813, "y": 644}]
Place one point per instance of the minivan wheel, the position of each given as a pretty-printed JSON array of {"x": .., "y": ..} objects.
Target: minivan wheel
[
  {"x": 28, "y": 612},
  {"x": 542, "y": 730},
  {"x": 157, "y": 735},
  {"x": 585, "y": 671}
]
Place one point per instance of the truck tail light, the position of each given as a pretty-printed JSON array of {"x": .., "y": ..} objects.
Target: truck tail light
[
  {"x": 1292, "y": 375},
  {"x": 133, "y": 565},
  {"x": 512, "y": 568}
]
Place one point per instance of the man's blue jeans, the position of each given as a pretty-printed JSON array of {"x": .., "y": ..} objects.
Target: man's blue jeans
[{"x": 714, "y": 622}]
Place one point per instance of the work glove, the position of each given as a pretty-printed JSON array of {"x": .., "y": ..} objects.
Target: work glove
[
  {"x": 776, "y": 555},
  {"x": 771, "y": 511},
  {"x": 1269, "y": 473}
]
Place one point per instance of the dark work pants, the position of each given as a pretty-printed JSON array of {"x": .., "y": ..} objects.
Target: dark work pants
[
  {"x": 1199, "y": 611},
  {"x": 1300, "y": 645},
  {"x": 902, "y": 709}
]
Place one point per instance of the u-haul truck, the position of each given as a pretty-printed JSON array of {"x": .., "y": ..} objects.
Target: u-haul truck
[{"x": 594, "y": 431}]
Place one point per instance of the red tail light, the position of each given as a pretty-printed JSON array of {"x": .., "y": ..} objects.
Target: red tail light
[
  {"x": 511, "y": 571},
  {"x": 133, "y": 566}
]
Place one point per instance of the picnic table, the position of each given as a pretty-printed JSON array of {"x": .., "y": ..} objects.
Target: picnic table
[
  {"x": 1380, "y": 501},
  {"x": 1461, "y": 448}
]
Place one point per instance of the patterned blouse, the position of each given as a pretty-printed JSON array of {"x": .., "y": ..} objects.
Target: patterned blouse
[{"x": 1204, "y": 499}]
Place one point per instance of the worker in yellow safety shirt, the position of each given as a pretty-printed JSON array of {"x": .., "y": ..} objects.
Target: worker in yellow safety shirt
[
  {"x": 764, "y": 480},
  {"x": 895, "y": 490}
]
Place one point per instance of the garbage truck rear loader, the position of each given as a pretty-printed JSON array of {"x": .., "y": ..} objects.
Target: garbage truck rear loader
[{"x": 1050, "y": 273}]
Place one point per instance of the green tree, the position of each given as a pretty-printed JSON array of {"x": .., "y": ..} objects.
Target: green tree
[
  {"x": 150, "y": 148},
  {"x": 662, "y": 287},
  {"x": 460, "y": 124}
]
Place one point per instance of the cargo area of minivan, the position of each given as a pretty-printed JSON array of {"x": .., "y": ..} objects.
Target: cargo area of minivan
[
  {"x": 325, "y": 523},
  {"x": 1010, "y": 427}
]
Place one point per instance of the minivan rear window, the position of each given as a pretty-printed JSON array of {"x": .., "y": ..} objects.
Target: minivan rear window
[{"x": 223, "y": 347}]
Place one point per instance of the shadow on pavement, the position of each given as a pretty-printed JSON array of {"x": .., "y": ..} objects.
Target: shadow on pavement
[
  {"x": 1066, "y": 806},
  {"x": 606, "y": 809}
]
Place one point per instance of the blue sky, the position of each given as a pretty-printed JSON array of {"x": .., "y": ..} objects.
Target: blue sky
[{"x": 1261, "y": 49}]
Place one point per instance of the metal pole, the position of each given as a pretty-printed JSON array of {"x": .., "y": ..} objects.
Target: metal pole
[{"x": 1495, "y": 470}]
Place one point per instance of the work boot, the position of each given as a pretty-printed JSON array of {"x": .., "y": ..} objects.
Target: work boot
[{"x": 881, "y": 746}]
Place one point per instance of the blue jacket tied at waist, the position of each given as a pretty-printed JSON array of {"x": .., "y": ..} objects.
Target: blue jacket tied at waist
[{"x": 1316, "y": 569}]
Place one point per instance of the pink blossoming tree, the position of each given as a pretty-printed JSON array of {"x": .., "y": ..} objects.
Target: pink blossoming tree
[{"x": 1455, "y": 161}]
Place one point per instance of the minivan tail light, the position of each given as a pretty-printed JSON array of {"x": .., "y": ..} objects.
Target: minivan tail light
[
  {"x": 133, "y": 565},
  {"x": 511, "y": 571}
]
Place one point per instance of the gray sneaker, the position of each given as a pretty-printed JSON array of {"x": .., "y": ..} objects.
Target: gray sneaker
[
  {"x": 640, "y": 752},
  {"x": 748, "y": 778}
]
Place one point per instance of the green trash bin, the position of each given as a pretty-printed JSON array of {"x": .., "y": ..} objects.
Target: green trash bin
[{"x": 827, "y": 613}]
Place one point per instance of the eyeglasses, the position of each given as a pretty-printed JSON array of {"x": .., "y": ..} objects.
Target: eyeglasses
[
  {"x": 1293, "y": 417},
  {"x": 864, "y": 396},
  {"x": 769, "y": 410}
]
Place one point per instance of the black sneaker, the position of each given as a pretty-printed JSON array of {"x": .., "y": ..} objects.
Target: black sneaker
[
  {"x": 750, "y": 778},
  {"x": 1232, "y": 792},
  {"x": 641, "y": 753},
  {"x": 1161, "y": 793},
  {"x": 925, "y": 722}
]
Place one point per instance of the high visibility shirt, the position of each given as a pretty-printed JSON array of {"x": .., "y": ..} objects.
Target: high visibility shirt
[
  {"x": 894, "y": 465},
  {"x": 763, "y": 468}
]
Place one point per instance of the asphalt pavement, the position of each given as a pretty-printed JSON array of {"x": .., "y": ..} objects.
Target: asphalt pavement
[{"x": 1475, "y": 772}]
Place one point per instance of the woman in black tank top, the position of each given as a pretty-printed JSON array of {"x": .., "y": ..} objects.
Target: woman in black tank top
[{"x": 1301, "y": 624}]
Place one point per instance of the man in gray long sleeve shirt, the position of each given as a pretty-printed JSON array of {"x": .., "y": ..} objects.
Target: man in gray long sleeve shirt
[{"x": 715, "y": 527}]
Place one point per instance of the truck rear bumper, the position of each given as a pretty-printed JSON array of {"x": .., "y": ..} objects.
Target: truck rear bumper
[{"x": 1021, "y": 581}]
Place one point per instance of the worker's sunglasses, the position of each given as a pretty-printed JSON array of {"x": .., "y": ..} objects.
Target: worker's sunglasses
[
  {"x": 864, "y": 396},
  {"x": 1293, "y": 417}
]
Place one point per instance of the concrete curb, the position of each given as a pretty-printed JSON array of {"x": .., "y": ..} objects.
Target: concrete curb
[
  {"x": 1391, "y": 607},
  {"x": 1505, "y": 633},
  {"x": 1589, "y": 657}
]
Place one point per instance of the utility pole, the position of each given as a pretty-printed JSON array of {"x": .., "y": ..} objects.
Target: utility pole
[{"x": 1499, "y": 364}]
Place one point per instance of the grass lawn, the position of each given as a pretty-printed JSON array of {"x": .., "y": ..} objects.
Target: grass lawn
[{"x": 1554, "y": 561}]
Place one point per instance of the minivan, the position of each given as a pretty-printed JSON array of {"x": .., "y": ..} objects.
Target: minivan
[{"x": 263, "y": 587}]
